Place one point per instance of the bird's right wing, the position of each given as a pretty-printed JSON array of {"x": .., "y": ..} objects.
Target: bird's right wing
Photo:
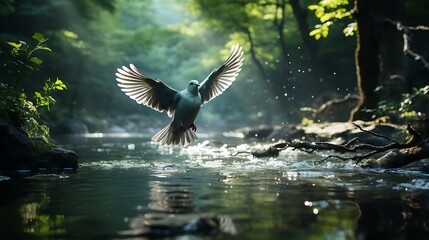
[
  {"x": 146, "y": 91},
  {"x": 221, "y": 78}
]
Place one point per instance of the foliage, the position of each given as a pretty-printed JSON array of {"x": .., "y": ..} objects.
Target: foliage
[
  {"x": 410, "y": 101},
  {"x": 14, "y": 103},
  {"x": 411, "y": 107},
  {"x": 176, "y": 41},
  {"x": 328, "y": 11}
]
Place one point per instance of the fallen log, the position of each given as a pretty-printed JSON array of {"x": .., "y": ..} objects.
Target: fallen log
[{"x": 394, "y": 154}]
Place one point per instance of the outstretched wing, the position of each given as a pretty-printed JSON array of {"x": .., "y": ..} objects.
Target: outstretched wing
[
  {"x": 146, "y": 91},
  {"x": 221, "y": 78}
]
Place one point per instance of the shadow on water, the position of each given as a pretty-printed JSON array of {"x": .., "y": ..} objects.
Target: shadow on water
[{"x": 127, "y": 187}]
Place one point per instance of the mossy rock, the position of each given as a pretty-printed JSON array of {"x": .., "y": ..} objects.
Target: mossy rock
[{"x": 19, "y": 152}]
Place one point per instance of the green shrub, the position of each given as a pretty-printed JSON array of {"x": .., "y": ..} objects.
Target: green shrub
[{"x": 18, "y": 59}]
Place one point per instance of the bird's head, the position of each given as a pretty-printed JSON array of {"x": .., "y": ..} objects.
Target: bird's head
[{"x": 193, "y": 86}]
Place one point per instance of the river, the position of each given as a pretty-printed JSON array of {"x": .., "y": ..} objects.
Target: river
[{"x": 129, "y": 188}]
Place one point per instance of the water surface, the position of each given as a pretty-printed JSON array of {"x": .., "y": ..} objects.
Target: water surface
[{"x": 129, "y": 188}]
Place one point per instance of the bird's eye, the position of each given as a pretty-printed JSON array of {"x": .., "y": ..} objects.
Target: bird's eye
[{"x": 192, "y": 83}]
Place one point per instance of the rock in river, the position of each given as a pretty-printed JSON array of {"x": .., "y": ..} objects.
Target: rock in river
[{"x": 20, "y": 152}]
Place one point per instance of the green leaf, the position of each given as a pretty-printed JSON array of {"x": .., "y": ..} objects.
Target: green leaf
[
  {"x": 315, "y": 32},
  {"x": 70, "y": 34},
  {"x": 59, "y": 85},
  {"x": 37, "y": 94},
  {"x": 313, "y": 7},
  {"x": 325, "y": 32},
  {"x": 36, "y": 60},
  {"x": 43, "y": 48},
  {"x": 46, "y": 87},
  {"x": 51, "y": 99},
  {"x": 38, "y": 36},
  {"x": 15, "y": 45},
  {"x": 327, "y": 16},
  {"x": 320, "y": 13}
]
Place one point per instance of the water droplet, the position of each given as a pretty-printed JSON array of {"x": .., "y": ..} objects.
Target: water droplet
[{"x": 285, "y": 94}]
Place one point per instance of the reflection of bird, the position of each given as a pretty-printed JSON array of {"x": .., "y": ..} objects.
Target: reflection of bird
[{"x": 184, "y": 105}]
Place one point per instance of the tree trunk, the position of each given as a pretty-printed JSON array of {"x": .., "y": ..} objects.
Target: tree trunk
[
  {"x": 367, "y": 59},
  {"x": 279, "y": 24},
  {"x": 309, "y": 45},
  {"x": 253, "y": 53}
]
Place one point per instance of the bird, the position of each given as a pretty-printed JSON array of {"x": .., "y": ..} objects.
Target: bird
[{"x": 182, "y": 106}]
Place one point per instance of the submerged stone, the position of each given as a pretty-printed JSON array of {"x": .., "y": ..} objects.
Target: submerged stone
[{"x": 157, "y": 225}]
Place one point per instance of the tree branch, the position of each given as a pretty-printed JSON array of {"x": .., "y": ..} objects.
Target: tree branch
[{"x": 406, "y": 35}]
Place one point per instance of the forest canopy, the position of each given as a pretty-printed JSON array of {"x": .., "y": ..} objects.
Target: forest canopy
[{"x": 286, "y": 68}]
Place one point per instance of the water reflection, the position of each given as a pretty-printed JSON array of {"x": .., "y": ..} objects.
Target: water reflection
[
  {"x": 173, "y": 210},
  {"x": 170, "y": 198},
  {"x": 405, "y": 218},
  {"x": 38, "y": 223},
  {"x": 280, "y": 205},
  {"x": 23, "y": 213}
]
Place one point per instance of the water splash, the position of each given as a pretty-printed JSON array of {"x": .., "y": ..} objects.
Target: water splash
[{"x": 4, "y": 178}]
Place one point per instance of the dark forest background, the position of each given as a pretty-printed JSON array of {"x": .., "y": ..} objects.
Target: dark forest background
[{"x": 287, "y": 76}]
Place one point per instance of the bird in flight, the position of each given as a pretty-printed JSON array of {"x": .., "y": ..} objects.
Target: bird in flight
[{"x": 183, "y": 106}]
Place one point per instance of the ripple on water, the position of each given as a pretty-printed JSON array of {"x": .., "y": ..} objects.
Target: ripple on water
[
  {"x": 415, "y": 184},
  {"x": 120, "y": 164}
]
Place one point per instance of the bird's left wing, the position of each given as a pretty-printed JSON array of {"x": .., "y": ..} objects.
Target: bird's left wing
[
  {"x": 146, "y": 91},
  {"x": 221, "y": 78}
]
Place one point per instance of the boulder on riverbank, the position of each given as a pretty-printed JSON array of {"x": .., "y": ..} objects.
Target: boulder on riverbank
[{"x": 20, "y": 152}]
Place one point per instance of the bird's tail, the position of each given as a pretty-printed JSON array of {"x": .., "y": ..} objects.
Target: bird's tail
[{"x": 175, "y": 136}]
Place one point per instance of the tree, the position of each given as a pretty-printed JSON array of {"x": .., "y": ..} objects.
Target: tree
[
  {"x": 378, "y": 56},
  {"x": 367, "y": 58}
]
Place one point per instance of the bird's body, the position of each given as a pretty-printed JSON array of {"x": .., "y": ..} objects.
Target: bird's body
[
  {"x": 183, "y": 106},
  {"x": 179, "y": 131}
]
